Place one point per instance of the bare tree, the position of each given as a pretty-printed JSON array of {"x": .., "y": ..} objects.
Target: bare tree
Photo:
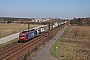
[
  {"x": 83, "y": 33},
  {"x": 75, "y": 31}
]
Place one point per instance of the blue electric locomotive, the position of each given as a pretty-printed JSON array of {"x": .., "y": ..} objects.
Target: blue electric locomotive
[{"x": 27, "y": 35}]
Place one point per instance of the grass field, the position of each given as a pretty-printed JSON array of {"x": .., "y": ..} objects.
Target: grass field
[
  {"x": 70, "y": 47},
  {"x": 8, "y": 29}
]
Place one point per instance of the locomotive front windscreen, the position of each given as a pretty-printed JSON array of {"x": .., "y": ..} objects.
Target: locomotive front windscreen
[{"x": 21, "y": 35}]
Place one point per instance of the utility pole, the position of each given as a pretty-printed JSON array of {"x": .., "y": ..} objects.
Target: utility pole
[
  {"x": 48, "y": 30},
  {"x": 28, "y": 25},
  {"x": 56, "y": 51}
]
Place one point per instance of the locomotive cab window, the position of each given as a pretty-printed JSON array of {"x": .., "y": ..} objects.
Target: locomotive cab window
[{"x": 21, "y": 35}]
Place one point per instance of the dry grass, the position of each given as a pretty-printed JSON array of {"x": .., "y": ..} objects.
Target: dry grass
[
  {"x": 73, "y": 48},
  {"x": 8, "y": 29}
]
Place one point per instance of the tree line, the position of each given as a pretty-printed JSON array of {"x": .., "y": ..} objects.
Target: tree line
[{"x": 80, "y": 21}]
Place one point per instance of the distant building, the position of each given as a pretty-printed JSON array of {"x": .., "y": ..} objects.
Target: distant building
[
  {"x": 40, "y": 20},
  {"x": 86, "y": 21},
  {"x": 14, "y": 21},
  {"x": 2, "y": 21},
  {"x": 74, "y": 21},
  {"x": 71, "y": 18}
]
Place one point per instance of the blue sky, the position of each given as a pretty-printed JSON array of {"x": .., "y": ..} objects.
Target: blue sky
[{"x": 45, "y": 8}]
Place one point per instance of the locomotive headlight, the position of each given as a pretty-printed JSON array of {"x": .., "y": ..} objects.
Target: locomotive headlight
[{"x": 22, "y": 37}]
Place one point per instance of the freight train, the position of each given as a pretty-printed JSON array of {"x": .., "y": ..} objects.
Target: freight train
[{"x": 26, "y": 35}]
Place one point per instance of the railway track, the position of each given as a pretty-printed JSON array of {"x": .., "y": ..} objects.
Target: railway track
[
  {"x": 20, "y": 49},
  {"x": 6, "y": 54},
  {"x": 8, "y": 46},
  {"x": 28, "y": 47},
  {"x": 6, "y": 50},
  {"x": 25, "y": 49}
]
